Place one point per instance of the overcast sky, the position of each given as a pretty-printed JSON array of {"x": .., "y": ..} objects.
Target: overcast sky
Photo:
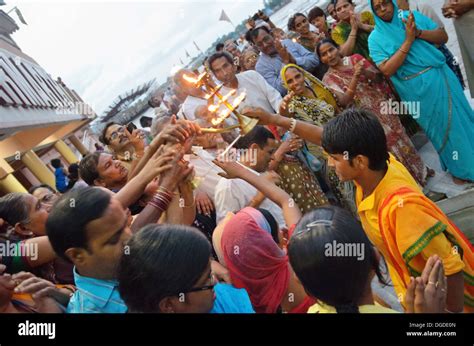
[{"x": 103, "y": 49}]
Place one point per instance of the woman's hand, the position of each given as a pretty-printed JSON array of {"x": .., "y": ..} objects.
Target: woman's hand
[
  {"x": 177, "y": 131},
  {"x": 231, "y": 169},
  {"x": 358, "y": 69},
  {"x": 221, "y": 273},
  {"x": 355, "y": 23},
  {"x": 44, "y": 293},
  {"x": 263, "y": 116},
  {"x": 427, "y": 294},
  {"x": 284, "y": 109},
  {"x": 410, "y": 28},
  {"x": 203, "y": 203}
]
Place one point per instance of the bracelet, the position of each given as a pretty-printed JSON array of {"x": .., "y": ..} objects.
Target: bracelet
[
  {"x": 403, "y": 51},
  {"x": 292, "y": 125},
  {"x": 166, "y": 191},
  {"x": 418, "y": 34},
  {"x": 161, "y": 200},
  {"x": 353, "y": 35}
]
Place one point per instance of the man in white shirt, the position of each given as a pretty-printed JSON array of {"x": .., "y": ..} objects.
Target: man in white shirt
[
  {"x": 259, "y": 92},
  {"x": 195, "y": 96},
  {"x": 234, "y": 194}
]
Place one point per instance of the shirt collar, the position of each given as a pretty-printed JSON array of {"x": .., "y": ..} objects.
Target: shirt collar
[
  {"x": 368, "y": 203},
  {"x": 100, "y": 288}
]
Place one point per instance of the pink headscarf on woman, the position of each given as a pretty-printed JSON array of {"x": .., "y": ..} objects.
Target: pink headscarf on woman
[{"x": 255, "y": 261}]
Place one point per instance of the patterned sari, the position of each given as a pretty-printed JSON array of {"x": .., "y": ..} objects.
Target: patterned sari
[
  {"x": 372, "y": 95},
  {"x": 319, "y": 110}
]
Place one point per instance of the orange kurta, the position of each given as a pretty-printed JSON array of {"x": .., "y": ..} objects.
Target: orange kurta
[{"x": 408, "y": 228}]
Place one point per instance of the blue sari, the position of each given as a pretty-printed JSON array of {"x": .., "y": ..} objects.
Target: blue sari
[{"x": 444, "y": 112}]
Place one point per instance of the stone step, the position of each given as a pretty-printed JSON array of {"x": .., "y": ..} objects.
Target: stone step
[{"x": 460, "y": 209}]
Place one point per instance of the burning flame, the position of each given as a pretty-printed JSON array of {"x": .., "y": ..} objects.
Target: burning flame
[
  {"x": 194, "y": 80},
  {"x": 224, "y": 114},
  {"x": 213, "y": 108}
]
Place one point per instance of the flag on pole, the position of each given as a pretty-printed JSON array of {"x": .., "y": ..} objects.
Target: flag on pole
[
  {"x": 187, "y": 54},
  {"x": 225, "y": 18},
  {"x": 20, "y": 16},
  {"x": 197, "y": 47}
]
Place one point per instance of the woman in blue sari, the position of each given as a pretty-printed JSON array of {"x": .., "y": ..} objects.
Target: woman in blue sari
[{"x": 403, "y": 47}]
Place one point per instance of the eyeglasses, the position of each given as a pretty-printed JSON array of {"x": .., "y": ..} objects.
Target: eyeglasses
[
  {"x": 213, "y": 279},
  {"x": 115, "y": 134}
]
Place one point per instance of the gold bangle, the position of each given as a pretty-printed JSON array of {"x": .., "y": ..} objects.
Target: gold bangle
[{"x": 403, "y": 51}]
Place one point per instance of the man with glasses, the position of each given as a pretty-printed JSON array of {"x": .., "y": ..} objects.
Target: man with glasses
[
  {"x": 124, "y": 145},
  {"x": 275, "y": 54}
]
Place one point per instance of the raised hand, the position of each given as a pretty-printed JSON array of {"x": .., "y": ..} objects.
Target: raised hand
[
  {"x": 358, "y": 69},
  {"x": 284, "y": 109},
  {"x": 283, "y": 52},
  {"x": 427, "y": 293},
  {"x": 410, "y": 28},
  {"x": 263, "y": 116},
  {"x": 177, "y": 131},
  {"x": 231, "y": 169}
]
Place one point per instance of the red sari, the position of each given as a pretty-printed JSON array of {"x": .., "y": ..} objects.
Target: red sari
[{"x": 372, "y": 95}]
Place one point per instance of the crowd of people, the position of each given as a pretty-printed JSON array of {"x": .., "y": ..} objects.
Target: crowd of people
[{"x": 319, "y": 208}]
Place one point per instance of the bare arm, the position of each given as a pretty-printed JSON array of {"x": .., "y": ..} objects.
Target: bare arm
[
  {"x": 437, "y": 36},
  {"x": 45, "y": 251},
  {"x": 291, "y": 212},
  {"x": 455, "y": 298}
]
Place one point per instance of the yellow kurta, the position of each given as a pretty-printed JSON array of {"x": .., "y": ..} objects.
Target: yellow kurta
[{"x": 408, "y": 228}]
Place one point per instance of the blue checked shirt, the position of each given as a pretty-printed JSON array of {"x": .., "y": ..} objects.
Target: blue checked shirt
[
  {"x": 95, "y": 296},
  {"x": 270, "y": 67}
]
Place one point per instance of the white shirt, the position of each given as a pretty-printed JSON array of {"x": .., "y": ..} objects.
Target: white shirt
[
  {"x": 259, "y": 92},
  {"x": 235, "y": 194},
  {"x": 189, "y": 106},
  {"x": 205, "y": 171}
]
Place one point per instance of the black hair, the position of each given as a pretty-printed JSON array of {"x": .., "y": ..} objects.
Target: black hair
[
  {"x": 145, "y": 121},
  {"x": 291, "y": 21},
  {"x": 335, "y": 2},
  {"x": 56, "y": 163},
  {"x": 219, "y": 55},
  {"x": 73, "y": 170},
  {"x": 254, "y": 33},
  {"x": 272, "y": 222},
  {"x": 66, "y": 224},
  {"x": 13, "y": 208},
  {"x": 153, "y": 104},
  {"x": 32, "y": 189},
  {"x": 357, "y": 132},
  {"x": 219, "y": 47},
  {"x": 103, "y": 137},
  {"x": 258, "y": 135},
  {"x": 324, "y": 41},
  {"x": 248, "y": 37},
  {"x": 346, "y": 275},
  {"x": 164, "y": 261},
  {"x": 316, "y": 12},
  {"x": 88, "y": 168}
]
